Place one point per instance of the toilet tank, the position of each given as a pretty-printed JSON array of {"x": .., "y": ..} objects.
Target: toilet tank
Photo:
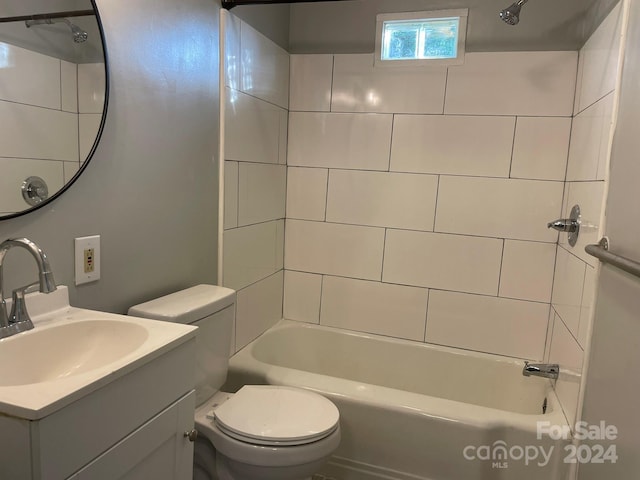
[{"x": 212, "y": 310}]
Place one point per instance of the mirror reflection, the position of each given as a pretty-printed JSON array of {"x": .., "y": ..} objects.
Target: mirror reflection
[{"x": 52, "y": 97}]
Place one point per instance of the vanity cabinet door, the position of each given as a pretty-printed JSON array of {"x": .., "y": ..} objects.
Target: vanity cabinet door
[{"x": 157, "y": 450}]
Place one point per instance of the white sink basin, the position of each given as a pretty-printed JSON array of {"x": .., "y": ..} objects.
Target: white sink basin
[
  {"x": 43, "y": 355},
  {"x": 72, "y": 352}
]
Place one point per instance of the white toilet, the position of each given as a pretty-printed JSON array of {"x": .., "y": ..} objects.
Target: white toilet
[{"x": 259, "y": 433}]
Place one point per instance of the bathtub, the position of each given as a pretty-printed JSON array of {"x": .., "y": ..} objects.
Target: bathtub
[{"x": 411, "y": 410}]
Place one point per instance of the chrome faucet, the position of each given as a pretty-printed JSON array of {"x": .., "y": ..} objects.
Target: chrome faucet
[
  {"x": 546, "y": 370},
  {"x": 18, "y": 320}
]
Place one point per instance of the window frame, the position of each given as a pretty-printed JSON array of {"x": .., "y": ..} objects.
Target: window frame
[{"x": 381, "y": 18}]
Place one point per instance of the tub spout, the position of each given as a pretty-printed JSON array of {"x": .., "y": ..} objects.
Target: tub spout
[{"x": 546, "y": 370}]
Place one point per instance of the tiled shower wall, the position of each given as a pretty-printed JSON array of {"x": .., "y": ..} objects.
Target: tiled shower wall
[
  {"x": 255, "y": 141},
  {"x": 587, "y": 171},
  {"x": 50, "y": 111},
  {"x": 417, "y": 199}
]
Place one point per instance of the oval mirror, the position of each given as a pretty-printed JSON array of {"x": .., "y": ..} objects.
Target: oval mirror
[{"x": 53, "y": 97}]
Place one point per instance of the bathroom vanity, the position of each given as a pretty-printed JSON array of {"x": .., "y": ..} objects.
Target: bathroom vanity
[{"x": 93, "y": 395}]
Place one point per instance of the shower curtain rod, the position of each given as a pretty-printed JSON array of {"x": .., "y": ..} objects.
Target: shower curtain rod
[
  {"x": 229, "y": 4},
  {"x": 46, "y": 16}
]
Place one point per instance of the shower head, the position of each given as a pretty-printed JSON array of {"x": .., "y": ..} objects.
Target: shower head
[
  {"x": 511, "y": 14},
  {"x": 79, "y": 35}
]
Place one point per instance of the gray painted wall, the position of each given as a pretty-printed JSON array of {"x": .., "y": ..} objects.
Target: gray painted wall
[
  {"x": 270, "y": 20},
  {"x": 151, "y": 189},
  {"x": 612, "y": 387},
  {"x": 349, "y": 26}
]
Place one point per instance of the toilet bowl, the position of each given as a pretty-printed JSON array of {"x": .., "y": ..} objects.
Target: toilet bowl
[
  {"x": 269, "y": 433},
  {"x": 262, "y": 432}
]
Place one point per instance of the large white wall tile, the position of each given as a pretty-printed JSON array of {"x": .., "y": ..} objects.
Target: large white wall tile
[
  {"x": 566, "y": 352},
  {"x": 513, "y": 83},
  {"x": 69, "y": 86},
  {"x": 310, "y": 83},
  {"x": 590, "y": 197},
  {"x": 232, "y": 56},
  {"x": 258, "y": 308},
  {"x": 340, "y": 140},
  {"x": 34, "y": 132},
  {"x": 540, "y": 148},
  {"x": 488, "y": 324},
  {"x": 252, "y": 253},
  {"x": 382, "y": 199},
  {"x": 568, "y": 284},
  {"x": 343, "y": 250},
  {"x": 359, "y": 87},
  {"x": 264, "y": 70},
  {"x": 306, "y": 193},
  {"x": 374, "y": 307},
  {"x": 448, "y": 262},
  {"x": 230, "y": 194},
  {"x": 91, "y": 87},
  {"x": 262, "y": 191},
  {"x": 302, "y": 293},
  {"x": 252, "y": 129},
  {"x": 599, "y": 60},
  {"x": 515, "y": 209},
  {"x": 16, "y": 170},
  {"x": 29, "y": 77},
  {"x": 88, "y": 126},
  {"x": 527, "y": 270},
  {"x": 455, "y": 145},
  {"x": 589, "y": 148}
]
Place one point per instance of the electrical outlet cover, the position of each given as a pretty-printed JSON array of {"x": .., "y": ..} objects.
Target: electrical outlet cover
[{"x": 82, "y": 244}]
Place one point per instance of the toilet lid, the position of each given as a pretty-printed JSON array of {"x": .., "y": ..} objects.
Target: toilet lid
[{"x": 270, "y": 415}]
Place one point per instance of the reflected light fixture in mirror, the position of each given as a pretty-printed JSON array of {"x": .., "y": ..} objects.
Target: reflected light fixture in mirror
[{"x": 53, "y": 98}]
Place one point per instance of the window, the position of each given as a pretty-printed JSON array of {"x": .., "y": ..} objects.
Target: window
[{"x": 421, "y": 38}]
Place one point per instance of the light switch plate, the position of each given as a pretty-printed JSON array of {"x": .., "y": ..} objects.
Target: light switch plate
[{"x": 87, "y": 255}]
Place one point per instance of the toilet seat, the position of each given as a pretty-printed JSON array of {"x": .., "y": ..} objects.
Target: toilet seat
[{"x": 276, "y": 416}]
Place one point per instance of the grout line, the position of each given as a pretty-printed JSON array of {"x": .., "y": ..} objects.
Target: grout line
[
  {"x": 238, "y": 199},
  {"x": 568, "y": 329},
  {"x": 384, "y": 249},
  {"x": 435, "y": 207},
  {"x": 408, "y": 172},
  {"x": 444, "y": 97},
  {"x": 513, "y": 145},
  {"x": 260, "y": 280},
  {"x": 393, "y": 123},
  {"x": 242, "y": 92},
  {"x": 548, "y": 338},
  {"x": 424, "y": 287},
  {"x": 321, "y": 293},
  {"x": 426, "y": 315},
  {"x": 594, "y": 103},
  {"x": 501, "y": 264},
  {"x": 326, "y": 195},
  {"x": 404, "y": 229},
  {"x": 333, "y": 71},
  {"x": 418, "y": 114}
]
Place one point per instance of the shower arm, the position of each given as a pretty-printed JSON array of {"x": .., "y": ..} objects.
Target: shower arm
[
  {"x": 48, "y": 16},
  {"x": 229, "y": 4}
]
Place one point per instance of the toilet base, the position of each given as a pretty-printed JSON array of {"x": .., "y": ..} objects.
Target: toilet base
[{"x": 228, "y": 469}]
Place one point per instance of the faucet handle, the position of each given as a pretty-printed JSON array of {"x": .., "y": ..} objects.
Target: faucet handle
[{"x": 19, "y": 317}]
